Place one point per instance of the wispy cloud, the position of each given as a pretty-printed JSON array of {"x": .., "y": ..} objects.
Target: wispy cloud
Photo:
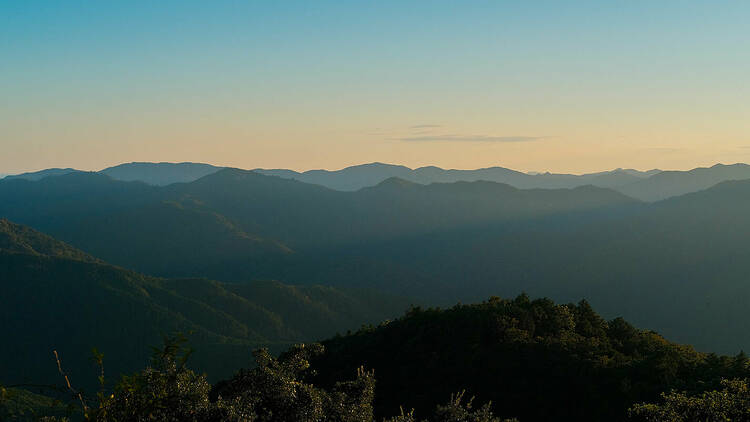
[
  {"x": 662, "y": 150},
  {"x": 470, "y": 138},
  {"x": 424, "y": 126}
]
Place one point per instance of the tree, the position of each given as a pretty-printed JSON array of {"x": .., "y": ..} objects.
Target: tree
[
  {"x": 278, "y": 390},
  {"x": 456, "y": 410},
  {"x": 732, "y": 403}
]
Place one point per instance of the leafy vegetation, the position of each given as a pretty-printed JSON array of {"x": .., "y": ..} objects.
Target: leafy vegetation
[
  {"x": 276, "y": 390},
  {"x": 19, "y": 404},
  {"x": 731, "y": 403},
  {"x": 15, "y": 238},
  {"x": 532, "y": 359}
]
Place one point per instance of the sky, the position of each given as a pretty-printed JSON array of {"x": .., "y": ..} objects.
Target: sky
[{"x": 564, "y": 86}]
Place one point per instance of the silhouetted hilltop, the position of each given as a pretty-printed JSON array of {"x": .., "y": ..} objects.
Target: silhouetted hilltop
[
  {"x": 41, "y": 174},
  {"x": 160, "y": 174},
  {"x": 366, "y": 175},
  {"x": 533, "y": 359},
  {"x": 674, "y": 183},
  {"x": 136, "y": 225},
  {"x": 347, "y": 179},
  {"x": 649, "y": 185}
]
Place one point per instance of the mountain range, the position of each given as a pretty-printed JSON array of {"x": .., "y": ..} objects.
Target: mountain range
[
  {"x": 41, "y": 174},
  {"x": 678, "y": 265},
  {"x": 160, "y": 174},
  {"x": 358, "y": 177},
  {"x": 649, "y": 185},
  {"x": 237, "y": 224},
  {"x": 157, "y": 174}
]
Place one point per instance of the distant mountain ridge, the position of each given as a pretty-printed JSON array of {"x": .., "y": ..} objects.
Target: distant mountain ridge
[
  {"x": 156, "y": 174},
  {"x": 298, "y": 213},
  {"x": 41, "y": 174},
  {"x": 239, "y": 225},
  {"x": 660, "y": 264},
  {"x": 651, "y": 185},
  {"x": 148, "y": 228},
  {"x": 668, "y": 184},
  {"x": 360, "y": 176},
  {"x": 160, "y": 174}
]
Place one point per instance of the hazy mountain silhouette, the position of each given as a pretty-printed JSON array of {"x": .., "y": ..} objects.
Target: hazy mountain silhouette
[
  {"x": 649, "y": 185},
  {"x": 41, "y": 174},
  {"x": 365, "y": 175},
  {"x": 239, "y": 225},
  {"x": 297, "y": 212},
  {"x": 653, "y": 263},
  {"x": 679, "y": 265},
  {"x": 347, "y": 179},
  {"x": 136, "y": 225},
  {"x": 674, "y": 183},
  {"x": 160, "y": 174}
]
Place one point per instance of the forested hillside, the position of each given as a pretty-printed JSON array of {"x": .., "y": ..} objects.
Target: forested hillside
[
  {"x": 677, "y": 265},
  {"x": 534, "y": 360},
  {"x": 80, "y": 303}
]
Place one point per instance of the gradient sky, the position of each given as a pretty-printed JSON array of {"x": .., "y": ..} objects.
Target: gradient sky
[{"x": 572, "y": 86}]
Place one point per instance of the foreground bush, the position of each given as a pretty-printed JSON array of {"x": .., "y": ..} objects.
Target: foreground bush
[
  {"x": 276, "y": 390},
  {"x": 732, "y": 403}
]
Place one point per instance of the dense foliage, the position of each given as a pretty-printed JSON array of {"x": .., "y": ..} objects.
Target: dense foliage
[
  {"x": 276, "y": 390},
  {"x": 731, "y": 403},
  {"x": 534, "y": 360},
  {"x": 531, "y": 359},
  {"x": 18, "y": 404}
]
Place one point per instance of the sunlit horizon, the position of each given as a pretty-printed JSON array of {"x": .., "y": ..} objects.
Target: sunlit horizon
[
  {"x": 333, "y": 169},
  {"x": 577, "y": 88}
]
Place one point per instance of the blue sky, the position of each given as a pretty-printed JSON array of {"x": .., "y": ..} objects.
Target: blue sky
[{"x": 562, "y": 86}]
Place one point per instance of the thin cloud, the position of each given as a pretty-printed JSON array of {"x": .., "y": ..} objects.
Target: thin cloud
[
  {"x": 425, "y": 126},
  {"x": 470, "y": 138},
  {"x": 663, "y": 150}
]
